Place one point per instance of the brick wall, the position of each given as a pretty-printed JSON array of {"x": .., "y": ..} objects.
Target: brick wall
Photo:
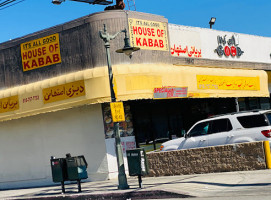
[{"x": 236, "y": 157}]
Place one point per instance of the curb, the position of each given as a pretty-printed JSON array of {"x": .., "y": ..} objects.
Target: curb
[{"x": 150, "y": 194}]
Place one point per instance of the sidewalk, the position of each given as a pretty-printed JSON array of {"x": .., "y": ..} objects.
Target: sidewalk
[{"x": 197, "y": 185}]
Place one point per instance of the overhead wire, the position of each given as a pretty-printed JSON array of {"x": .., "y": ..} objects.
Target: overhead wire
[{"x": 6, "y": 3}]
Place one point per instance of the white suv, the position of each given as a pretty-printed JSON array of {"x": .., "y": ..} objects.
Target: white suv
[{"x": 225, "y": 129}]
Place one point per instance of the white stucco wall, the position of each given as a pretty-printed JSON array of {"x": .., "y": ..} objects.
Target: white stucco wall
[{"x": 26, "y": 145}]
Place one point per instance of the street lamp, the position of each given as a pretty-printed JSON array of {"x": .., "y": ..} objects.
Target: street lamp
[
  {"x": 212, "y": 22},
  {"x": 128, "y": 50},
  {"x": 101, "y": 2}
]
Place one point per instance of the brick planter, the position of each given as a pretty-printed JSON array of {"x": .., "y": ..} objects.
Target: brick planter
[{"x": 236, "y": 157}]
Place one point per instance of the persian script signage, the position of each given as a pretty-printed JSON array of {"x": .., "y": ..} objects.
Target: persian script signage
[
  {"x": 185, "y": 43},
  {"x": 186, "y": 51},
  {"x": 62, "y": 92},
  {"x": 169, "y": 92},
  {"x": 228, "y": 82},
  {"x": 9, "y": 104},
  {"x": 149, "y": 35},
  {"x": 41, "y": 52}
]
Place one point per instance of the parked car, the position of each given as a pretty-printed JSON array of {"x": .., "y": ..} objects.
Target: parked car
[{"x": 225, "y": 129}]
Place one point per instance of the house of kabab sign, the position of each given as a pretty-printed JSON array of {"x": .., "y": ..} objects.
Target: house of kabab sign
[
  {"x": 41, "y": 52},
  {"x": 148, "y": 35}
]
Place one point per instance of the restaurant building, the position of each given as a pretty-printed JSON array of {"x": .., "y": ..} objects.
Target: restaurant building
[{"x": 55, "y": 93}]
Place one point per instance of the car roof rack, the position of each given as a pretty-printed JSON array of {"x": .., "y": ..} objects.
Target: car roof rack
[{"x": 240, "y": 112}]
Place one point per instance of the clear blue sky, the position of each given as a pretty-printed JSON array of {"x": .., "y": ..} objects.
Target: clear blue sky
[{"x": 241, "y": 16}]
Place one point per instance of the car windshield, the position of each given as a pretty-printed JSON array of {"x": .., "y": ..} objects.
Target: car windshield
[{"x": 252, "y": 121}]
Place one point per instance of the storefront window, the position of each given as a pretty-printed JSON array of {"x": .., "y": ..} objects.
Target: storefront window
[
  {"x": 254, "y": 104},
  {"x": 242, "y": 104},
  {"x": 156, "y": 121},
  {"x": 250, "y": 103},
  {"x": 265, "y": 103}
]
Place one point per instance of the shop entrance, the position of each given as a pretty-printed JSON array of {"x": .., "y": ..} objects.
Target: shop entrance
[{"x": 156, "y": 121}]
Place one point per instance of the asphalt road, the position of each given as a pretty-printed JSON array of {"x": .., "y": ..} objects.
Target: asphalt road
[
  {"x": 248, "y": 197},
  {"x": 248, "y": 185}
]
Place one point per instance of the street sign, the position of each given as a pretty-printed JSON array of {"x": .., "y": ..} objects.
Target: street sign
[{"x": 117, "y": 111}]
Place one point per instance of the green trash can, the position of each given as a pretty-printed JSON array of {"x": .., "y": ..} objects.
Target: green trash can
[
  {"x": 58, "y": 171},
  {"x": 137, "y": 163},
  {"x": 69, "y": 169},
  {"x": 76, "y": 168}
]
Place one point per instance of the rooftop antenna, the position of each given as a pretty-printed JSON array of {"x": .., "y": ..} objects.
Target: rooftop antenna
[{"x": 131, "y": 5}]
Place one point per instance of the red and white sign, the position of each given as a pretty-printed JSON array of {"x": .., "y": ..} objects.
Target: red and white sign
[
  {"x": 194, "y": 42},
  {"x": 169, "y": 92}
]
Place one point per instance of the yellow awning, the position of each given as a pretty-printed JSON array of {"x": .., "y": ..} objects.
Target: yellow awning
[
  {"x": 139, "y": 81},
  {"x": 131, "y": 82},
  {"x": 84, "y": 87}
]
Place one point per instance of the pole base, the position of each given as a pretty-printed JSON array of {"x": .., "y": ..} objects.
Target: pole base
[{"x": 123, "y": 185}]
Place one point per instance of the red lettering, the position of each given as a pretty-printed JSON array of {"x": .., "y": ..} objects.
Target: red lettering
[
  {"x": 152, "y": 32},
  {"x": 145, "y": 42},
  {"x": 145, "y": 32},
  {"x": 149, "y": 32},
  {"x": 51, "y": 48},
  {"x": 56, "y": 58},
  {"x": 139, "y": 30},
  {"x": 34, "y": 53},
  {"x": 138, "y": 42},
  {"x": 48, "y": 60},
  {"x": 26, "y": 65},
  {"x": 161, "y": 43},
  {"x": 41, "y": 61},
  {"x": 150, "y": 42},
  {"x": 43, "y": 50},
  {"x": 156, "y": 43},
  {"x": 162, "y": 33},
  {"x": 39, "y": 52},
  {"x": 34, "y": 63},
  {"x": 24, "y": 55},
  {"x": 134, "y": 30},
  {"x": 29, "y": 54},
  {"x": 56, "y": 46},
  {"x": 158, "y": 33}
]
